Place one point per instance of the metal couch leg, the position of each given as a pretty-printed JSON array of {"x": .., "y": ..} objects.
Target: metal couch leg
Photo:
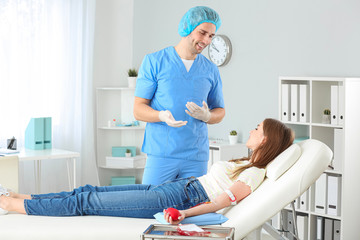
[{"x": 279, "y": 234}]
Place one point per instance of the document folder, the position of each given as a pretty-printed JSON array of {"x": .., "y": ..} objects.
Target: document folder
[
  {"x": 285, "y": 102},
  {"x": 294, "y": 103},
  {"x": 341, "y": 105},
  {"x": 334, "y": 105},
  {"x": 338, "y": 149},
  {"x": 304, "y": 103},
  {"x": 328, "y": 229},
  {"x": 290, "y": 225},
  {"x": 304, "y": 201},
  {"x": 284, "y": 219},
  {"x": 38, "y": 134},
  {"x": 275, "y": 221},
  {"x": 336, "y": 230},
  {"x": 334, "y": 193},
  {"x": 319, "y": 228},
  {"x": 34, "y": 134},
  {"x": 296, "y": 203},
  {"x": 302, "y": 224},
  {"x": 321, "y": 194},
  {"x": 47, "y": 133}
]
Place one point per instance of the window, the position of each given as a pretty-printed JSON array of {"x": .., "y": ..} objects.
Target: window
[{"x": 45, "y": 68}]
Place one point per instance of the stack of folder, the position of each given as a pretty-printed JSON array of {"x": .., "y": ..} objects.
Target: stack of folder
[
  {"x": 328, "y": 195},
  {"x": 288, "y": 225},
  {"x": 327, "y": 229},
  {"x": 295, "y": 102},
  {"x": 337, "y": 105}
]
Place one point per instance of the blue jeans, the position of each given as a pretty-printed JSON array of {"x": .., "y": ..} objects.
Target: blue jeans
[{"x": 138, "y": 200}]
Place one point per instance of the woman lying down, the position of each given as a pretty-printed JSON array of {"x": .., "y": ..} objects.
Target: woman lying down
[{"x": 226, "y": 184}]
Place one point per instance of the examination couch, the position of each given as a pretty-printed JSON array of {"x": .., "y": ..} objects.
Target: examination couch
[{"x": 288, "y": 176}]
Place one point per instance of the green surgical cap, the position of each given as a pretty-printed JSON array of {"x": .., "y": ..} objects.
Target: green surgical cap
[{"x": 196, "y": 16}]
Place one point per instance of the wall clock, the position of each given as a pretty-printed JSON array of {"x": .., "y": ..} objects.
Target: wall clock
[{"x": 220, "y": 50}]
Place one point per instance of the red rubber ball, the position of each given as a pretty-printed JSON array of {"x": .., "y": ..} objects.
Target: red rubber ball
[{"x": 174, "y": 213}]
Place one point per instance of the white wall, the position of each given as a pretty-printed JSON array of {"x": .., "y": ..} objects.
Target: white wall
[
  {"x": 269, "y": 38},
  {"x": 113, "y": 42},
  {"x": 112, "y": 50}
]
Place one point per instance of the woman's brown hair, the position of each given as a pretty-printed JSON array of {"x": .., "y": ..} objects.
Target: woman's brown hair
[{"x": 278, "y": 138}]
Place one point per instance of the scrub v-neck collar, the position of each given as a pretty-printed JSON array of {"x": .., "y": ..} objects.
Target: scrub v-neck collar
[{"x": 181, "y": 65}]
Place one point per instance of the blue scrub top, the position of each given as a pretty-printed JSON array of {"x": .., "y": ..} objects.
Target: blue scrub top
[{"x": 164, "y": 80}]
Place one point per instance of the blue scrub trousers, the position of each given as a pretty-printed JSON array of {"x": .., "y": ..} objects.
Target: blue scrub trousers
[
  {"x": 160, "y": 169},
  {"x": 137, "y": 200}
]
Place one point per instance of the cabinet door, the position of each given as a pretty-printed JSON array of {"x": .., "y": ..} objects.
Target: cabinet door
[{"x": 9, "y": 172}]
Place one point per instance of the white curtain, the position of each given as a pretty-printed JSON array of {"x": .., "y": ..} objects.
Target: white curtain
[{"x": 46, "y": 49}]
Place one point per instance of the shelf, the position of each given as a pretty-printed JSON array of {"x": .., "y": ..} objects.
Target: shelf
[
  {"x": 115, "y": 88},
  {"x": 314, "y": 79},
  {"x": 313, "y": 124},
  {"x": 313, "y": 213},
  {"x": 326, "y": 125},
  {"x": 297, "y": 210},
  {"x": 117, "y": 103},
  {"x": 123, "y": 128},
  {"x": 325, "y": 215},
  {"x": 297, "y": 123},
  {"x": 112, "y": 167},
  {"x": 334, "y": 172},
  {"x": 341, "y": 137},
  {"x": 136, "y": 162}
]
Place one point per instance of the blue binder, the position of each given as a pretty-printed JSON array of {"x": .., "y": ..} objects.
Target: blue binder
[
  {"x": 47, "y": 133},
  {"x": 38, "y": 134},
  {"x": 120, "y": 151}
]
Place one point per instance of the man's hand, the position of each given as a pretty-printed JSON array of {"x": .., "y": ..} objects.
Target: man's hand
[
  {"x": 201, "y": 113},
  {"x": 167, "y": 117}
]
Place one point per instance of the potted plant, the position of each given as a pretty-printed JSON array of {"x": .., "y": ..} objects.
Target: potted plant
[
  {"x": 132, "y": 76},
  {"x": 326, "y": 116},
  {"x": 233, "y": 137},
  {"x": 128, "y": 153}
]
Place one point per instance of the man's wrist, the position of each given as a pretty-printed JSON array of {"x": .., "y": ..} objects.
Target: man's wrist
[
  {"x": 162, "y": 116},
  {"x": 208, "y": 117}
]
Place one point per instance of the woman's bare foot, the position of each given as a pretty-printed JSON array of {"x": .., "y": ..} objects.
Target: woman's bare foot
[{"x": 12, "y": 204}]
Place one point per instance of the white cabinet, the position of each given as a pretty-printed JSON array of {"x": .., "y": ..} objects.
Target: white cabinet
[
  {"x": 223, "y": 151},
  {"x": 342, "y": 135},
  {"x": 9, "y": 172},
  {"x": 114, "y": 122}
]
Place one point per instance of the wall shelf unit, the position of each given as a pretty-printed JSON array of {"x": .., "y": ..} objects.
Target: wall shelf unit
[
  {"x": 302, "y": 101},
  {"x": 116, "y": 103}
]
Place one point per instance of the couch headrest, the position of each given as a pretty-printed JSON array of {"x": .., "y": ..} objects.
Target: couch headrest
[{"x": 283, "y": 162}]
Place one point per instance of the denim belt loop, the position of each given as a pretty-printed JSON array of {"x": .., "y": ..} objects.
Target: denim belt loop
[
  {"x": 190, "y": 180},
  {"x": 195, "y": 186}
]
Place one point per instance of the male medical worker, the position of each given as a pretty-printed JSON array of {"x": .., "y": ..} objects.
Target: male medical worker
[{"x": 178, "y": 92}]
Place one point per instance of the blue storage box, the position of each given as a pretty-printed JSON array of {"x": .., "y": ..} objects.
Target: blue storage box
[
  {"x": 122, "y": 180},
  {"x": 120, "y": 151},
  {"x": 38, "y": 134}
]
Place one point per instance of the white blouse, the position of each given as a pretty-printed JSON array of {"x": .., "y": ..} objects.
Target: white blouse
[{"x": 218, "y": 179}]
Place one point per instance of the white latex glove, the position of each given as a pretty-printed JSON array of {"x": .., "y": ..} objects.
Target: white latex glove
[
  {"x": 167, "y": 117},
  {"x": 201, "y": 113}
]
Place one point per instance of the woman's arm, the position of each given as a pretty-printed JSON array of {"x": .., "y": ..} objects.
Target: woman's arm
[{"x": 239, "y": 189}]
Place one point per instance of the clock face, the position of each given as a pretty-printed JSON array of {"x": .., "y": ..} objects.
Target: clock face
[{"x": 220, "y": 50}]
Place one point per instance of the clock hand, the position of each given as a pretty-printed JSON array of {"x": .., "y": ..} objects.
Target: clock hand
[{"x": 214, "y": 47}]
